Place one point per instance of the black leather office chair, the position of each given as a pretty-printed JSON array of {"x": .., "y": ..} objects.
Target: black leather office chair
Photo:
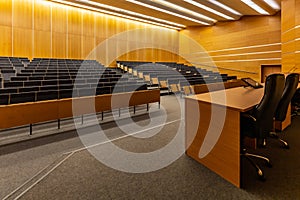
[
  {"x": 258, "y": 123},
  {"x": 291, "y": 83},
  {"x": 296, "y": 103}
]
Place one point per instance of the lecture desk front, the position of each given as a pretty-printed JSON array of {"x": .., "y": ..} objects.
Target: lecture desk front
[{"x": 215, "y": 146}]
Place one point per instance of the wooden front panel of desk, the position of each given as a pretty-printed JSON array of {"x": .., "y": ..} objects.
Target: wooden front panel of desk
[{"x": 224, "y": 158}]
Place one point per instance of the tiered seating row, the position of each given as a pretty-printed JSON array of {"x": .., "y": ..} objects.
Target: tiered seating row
[
  {"x": 48, "y": 89},
  {"x": 47, "y": 79},
  {"x": 172, "y": 75}
]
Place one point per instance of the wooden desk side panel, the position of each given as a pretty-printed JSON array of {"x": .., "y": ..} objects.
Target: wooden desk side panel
[
  {"x": 224, "y": 159},
  {"x": 28, "y": 113}
]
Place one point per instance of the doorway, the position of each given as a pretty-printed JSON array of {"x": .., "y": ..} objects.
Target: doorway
[{"x": 267, "y": 70}]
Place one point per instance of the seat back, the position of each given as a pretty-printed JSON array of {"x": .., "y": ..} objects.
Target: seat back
[
  {"x": 265, "y": 110},
  {"x": 290, "y": 88}
]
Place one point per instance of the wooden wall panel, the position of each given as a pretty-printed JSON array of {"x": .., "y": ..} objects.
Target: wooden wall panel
[
  {"x": 23, "y": 14},
  {"x": 42, "y": 16},
  {"x": 34, "y": 28},
  {"x": 22, "y": 42},
  {"x": 290, "y": 35},
  {"x": 74, "y": 46},
  {"x": 88, "y": 46},
  {"x": 237, "y": 48},
  {"x": 6, "y": 13},
  {"x": 42, "y": 44},
  {"x": 74, "y": 21},
  {"x": 6, "y": 41},
  {"x": 59, "y": 45},
  {"x": 59, "y": 18}
]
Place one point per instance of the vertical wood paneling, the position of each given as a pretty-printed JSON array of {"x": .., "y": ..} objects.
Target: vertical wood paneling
[
  {"x": 42, "y": 16},
  {"x": 22, "y": 41},
  {"x": 6, "y": 40},
  {"x": 32, "y": 28},
  {"x": 42, "y": 44},
  {"x": 22, "y": 14},
  {"x": 6, "y": 13},
  {"x": 59, "y": 18},
  {"x": 59, "y": 45}
]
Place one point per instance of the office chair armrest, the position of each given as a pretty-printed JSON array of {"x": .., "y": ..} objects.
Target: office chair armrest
[{"x": 246, "y": 115}]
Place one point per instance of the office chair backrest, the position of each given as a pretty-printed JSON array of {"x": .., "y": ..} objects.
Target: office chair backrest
[
  {"x": 290, "y": 88},
  {"x": 265, "y": 110}
]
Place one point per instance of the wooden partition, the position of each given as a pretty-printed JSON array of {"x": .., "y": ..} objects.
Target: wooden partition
[
  {"x": 240, "y": 47},
  {"x": 29, "y": 113},
  {"x": 31, "y": 28}
]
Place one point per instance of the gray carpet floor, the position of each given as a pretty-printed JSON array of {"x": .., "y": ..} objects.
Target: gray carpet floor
[{"x": 59, "y": 167}]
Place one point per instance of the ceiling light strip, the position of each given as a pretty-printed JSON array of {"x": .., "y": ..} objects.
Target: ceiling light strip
[
  {"x": 129, "y": 12},
  {"x": 255, "y": 7},
  {"x": 185, "y": 10},
  {"x": 199, "y": 5},
  {"x": 115, "y": 14},
  {"x": 273, "y": 4},
  {"x": 217, "y": 3},
  {"x": 167, "y": 12}
]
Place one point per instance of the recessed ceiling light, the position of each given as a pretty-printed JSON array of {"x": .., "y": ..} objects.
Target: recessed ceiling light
[
  {"x": 256, "y": 7},
  {"x": 167, "y": 12},
  {"x": 209, "y": 9},
  {"x": 273, "y": 4},
  {"x": 182, "y": 9},
  {"x": 114, "y": 13},
  {"x": 217, "y": 3}
]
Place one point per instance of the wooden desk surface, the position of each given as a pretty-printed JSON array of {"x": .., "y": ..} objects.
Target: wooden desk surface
[{"x": 240, "y": 98}]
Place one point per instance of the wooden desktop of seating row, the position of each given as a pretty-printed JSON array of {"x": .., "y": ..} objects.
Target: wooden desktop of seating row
[{"x": 35, "y": 112}]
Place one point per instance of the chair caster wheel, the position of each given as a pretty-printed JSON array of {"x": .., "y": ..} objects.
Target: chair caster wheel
[
  {"x": 268, "y": 164},
  {"x": 261, "y": 176},
  {"x": 286, "y": 146}
]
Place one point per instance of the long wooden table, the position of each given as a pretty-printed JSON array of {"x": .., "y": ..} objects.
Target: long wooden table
[{"x": 207, "y": 141}]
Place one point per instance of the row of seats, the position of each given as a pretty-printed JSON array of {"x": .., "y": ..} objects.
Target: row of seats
[
  {"x": 56, "y": 93},
  {"x": 38, "y": 82},
  {"x": 171, "y": 75}
]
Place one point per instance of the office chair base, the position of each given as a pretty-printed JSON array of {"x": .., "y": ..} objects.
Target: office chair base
[
  {"x": 284, "y": 143},
  {"x": 268, "y": 163},
  {"x": 259, "y": 172}
]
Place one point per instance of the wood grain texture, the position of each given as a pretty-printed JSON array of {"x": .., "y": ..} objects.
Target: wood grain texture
[
  {"x": 290, "y": 36},
  {"x": 224, "y": 159},
  {"x": 33, "y": 28},
  {"x": 240, "y": 46}
]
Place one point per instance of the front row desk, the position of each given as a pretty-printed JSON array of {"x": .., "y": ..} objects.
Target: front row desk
[{"x": 215, "y": 146}]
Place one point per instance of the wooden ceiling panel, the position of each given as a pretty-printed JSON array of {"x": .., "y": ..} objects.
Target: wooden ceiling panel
[{"x": 237, "y": 5}]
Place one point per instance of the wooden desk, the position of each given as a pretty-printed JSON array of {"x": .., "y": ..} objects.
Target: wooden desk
[{"x": 222, "y": 144}]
